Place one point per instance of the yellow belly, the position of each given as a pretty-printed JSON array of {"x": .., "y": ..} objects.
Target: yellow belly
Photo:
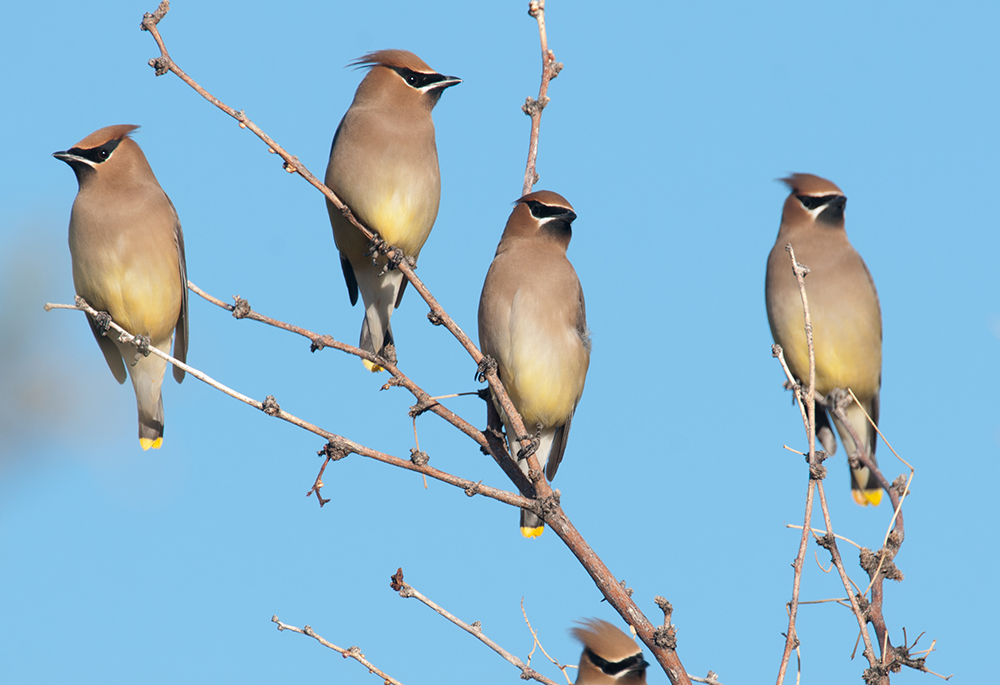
[
  {"x": 402, "y": 222},
  {"x": 143, "y": 302},
  {"x": 842, "y": 360},
  {"x": 545, "y": 387}
]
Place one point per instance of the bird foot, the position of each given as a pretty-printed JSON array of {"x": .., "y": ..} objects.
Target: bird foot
[
  {"x": 526, "y": 452},
  {"x": 486, "y": 364},
  {"x": 374, "y": 247},
  {"x": 103, "y": 322},
  {"x": 141, "y": 343}
]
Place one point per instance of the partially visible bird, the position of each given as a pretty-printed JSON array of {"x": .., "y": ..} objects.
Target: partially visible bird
[
  {"x": 845, "y": 313},
  {"x": 609, "y": 655},
  {"x": 533, "y": 322},
  {"x": 384, "y": 166},
  {"x": 128, "y": 260}
]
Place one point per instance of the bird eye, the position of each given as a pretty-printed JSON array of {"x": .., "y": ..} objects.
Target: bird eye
[
  {"x": 104, "y": 154},
  {"x": 415, "y": 79},
  {"x": 810, "y": 202},
  {"x": 543, "y": 211}
]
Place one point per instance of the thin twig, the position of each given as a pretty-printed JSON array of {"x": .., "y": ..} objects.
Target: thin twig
[
  {"x": 890, "y": 656},
  {"x": 831, "y": 544},
  {"x": 712, "y": 678},
  {"x": 271, "y": 408},
  {"x": 425, "y": 402},
  {"x": 842, "y": 601},
  {"x": 897, "y": 511},
  {"x": 533, "y": 107},
  {"x": 816, "y": 473},
  {"x": 820, "y": 533},
  {"x": 538, "y": 643},
  {"x": 351, "y": 652},
  {"x": 165, "y": 63},
  {"x": 546, "y": 499},
  {"x": 791, "y": 638},
  {"x": 405, "y": 590}
]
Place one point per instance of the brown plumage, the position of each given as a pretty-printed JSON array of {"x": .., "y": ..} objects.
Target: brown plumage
[
  {"x": 845, "y": 312},
  {"x": 609, "y": 655},
  {"x": 393, "y": 58},
  {"x": 533, "y": 322},
  {"x": 384, "y": 166},
  {"x": 128, "y": 260}
]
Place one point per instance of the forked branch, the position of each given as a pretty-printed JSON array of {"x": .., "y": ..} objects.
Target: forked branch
[
  {"x": 547, "y": 500},
  {"x": 351, "y": 652},
  {"x": 878, "y": 565}
]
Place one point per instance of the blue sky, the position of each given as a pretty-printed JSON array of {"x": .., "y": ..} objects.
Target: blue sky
[{"x": 666, "y": 129}]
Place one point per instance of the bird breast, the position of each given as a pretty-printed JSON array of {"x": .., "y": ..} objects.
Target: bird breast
[
  {"x": 117, "y": 270},
  {"x": 385, "y": 167},
  {"x": 546, "y": 365}
]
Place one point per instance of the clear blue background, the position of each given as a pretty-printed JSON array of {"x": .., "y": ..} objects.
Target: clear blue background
[{"x": 666, "y": 130}]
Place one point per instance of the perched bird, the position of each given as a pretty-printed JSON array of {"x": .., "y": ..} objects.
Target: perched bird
[
  {"x": 533, "y": 322},
  {"x": 128, "y": 260},
  {"x": 845, "y": 314},
  {"x": 609, "y": 656},
  {"x": 384, "y": 166}
]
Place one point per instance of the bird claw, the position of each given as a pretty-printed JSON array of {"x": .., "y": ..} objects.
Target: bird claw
[
  {"x": 142, "y": 343},
  {"x": 393, "y": 258},
  {"x": 374, "y": 247},
  {"x": 103, "y": 322},
  {"x": 526, "y": 452},
  {"x": 486, "y": 364}
]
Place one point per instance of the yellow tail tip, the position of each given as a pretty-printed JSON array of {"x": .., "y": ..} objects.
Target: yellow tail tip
[
  {"x": 532, "y": 532},
  {"x": 374, "y": 368},
  {"x": 146, "y": 443},
  {"x": 866, "y": 497}
]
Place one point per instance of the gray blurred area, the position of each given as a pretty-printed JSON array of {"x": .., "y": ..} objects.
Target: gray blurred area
[{"x": 46, "y": 360}]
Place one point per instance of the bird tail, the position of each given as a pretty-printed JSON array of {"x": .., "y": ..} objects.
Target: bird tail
[
  {"x": 864, "y": 485},
  {"x": 531, "y": 525},
  {"x": 151, "y": 427},
  {"x": 376, "y": 331},
  {"x": 368, "y": 344},
  {"x": 147, "y": 378}
]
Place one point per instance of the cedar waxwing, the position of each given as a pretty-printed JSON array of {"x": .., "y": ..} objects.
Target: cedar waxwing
[
  {"x": 533, "y": 322},
  {"x": 609, "y": 656},
  {"x": 845, "y": 313},
  {"x": 384, "y": 166},
  {"x": 128, "y": 260}
]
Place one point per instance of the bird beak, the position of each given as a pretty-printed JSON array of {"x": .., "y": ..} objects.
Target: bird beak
[
  {"x": 447, "y": 82},
  {"x": 69, "y": 157}
]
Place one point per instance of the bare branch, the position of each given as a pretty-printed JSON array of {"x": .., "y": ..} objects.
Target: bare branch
[
  {"x": 546, "y": 502},
  {"x": 351, "y": 652},
  {"x": 816, "y": 473},
  {"x": 270, "y": 407},
  {"x": 165, "y": 63},
  {"x": 830, "y": 543},
  {"x": 538, "y": 643},
  {"x": 878, "y": 565},
  {"x": 807, "y": 407},
  {"x": 533, "y": 107},
  {"x": 475, "y": 629},
  {"x": 242, "y": 310},
  {"x": 820, "y": 533}
]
